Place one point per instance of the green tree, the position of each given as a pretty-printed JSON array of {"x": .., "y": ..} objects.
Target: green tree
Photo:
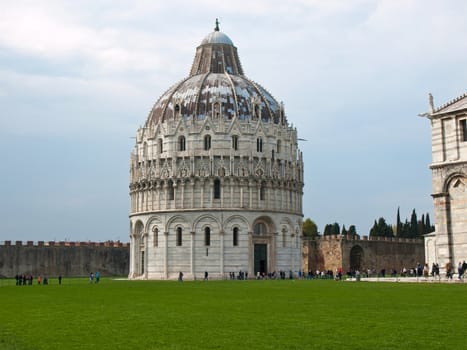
[
  {"x": 335, "y": 229},
  {"x": 352, "y": 231},
  {"x": 399, "y": 223},
  {"x": 413, "y": 225},
  {"x": 344, "y": 230},
  {"x": 309, "y": 228},
  {"x": 381, "y": 229}
]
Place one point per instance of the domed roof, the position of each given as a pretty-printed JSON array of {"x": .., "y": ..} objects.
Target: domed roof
[
  {"x": 216, "y": 87},
  {"x": 216, "y": 37}
]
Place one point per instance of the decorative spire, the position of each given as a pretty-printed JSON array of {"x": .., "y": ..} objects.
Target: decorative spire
[{"x": 216, "y": 28}]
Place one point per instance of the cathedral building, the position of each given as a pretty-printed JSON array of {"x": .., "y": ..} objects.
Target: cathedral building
[
  {"x": 216, "y": 176},
  {"x": 448, "y": 244}
]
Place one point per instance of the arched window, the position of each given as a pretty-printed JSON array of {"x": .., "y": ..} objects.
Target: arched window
[
  {"x": 235, "y": 237},
  {"x": 156, "y": 236},
  {"x": 217, "y": 110},
  {"x": 207, "y": 142},
  {"x": 260, "y": 228},
  {"x": 284, "y": 237},
  {"x": 261, "y": 192},
  {"x": 235, "y": 142},
  {"x": 177, "y": 110},
  {"x": 160, "y": 146},
  {"x": 181, "y": 143},
  {"x": 207, "y": 236},
  {"x": 259, "y": 144},
  {"x": 217, "y": 189},
  {"x": 170, "y": 190},
  {"x": 179, "y": 237},
  {"x": 278, "y": 146}
]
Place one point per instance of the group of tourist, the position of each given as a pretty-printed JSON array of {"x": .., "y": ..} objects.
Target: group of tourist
[
  {"x": 27, "y": 280},
  {"x": 94, "y": 277}
]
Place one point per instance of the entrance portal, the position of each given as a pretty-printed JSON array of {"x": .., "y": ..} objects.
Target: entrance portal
[
  {"x": 261, "y": 258},
  {"x": 356, "y": 258}
]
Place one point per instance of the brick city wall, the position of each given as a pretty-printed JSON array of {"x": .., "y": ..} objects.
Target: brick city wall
[
  {"x": 377, "y": 253},
  {"x": 65, "y": 258}
]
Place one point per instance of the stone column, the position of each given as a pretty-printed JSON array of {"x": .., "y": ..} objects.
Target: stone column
[
  {"x": 166, "y": 252},
  {"x": 251, "y": 250},
  {"x": 145, "y": 237},
  {"x": 192, "y": 254},
  {"x": 443, "y": 229},
  {"x": 221, "y": 253}
]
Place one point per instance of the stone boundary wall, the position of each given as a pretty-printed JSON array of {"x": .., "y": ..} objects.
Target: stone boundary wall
[
  {"x": 334, "y": 251},
  {"x": 69, "y": 259}
]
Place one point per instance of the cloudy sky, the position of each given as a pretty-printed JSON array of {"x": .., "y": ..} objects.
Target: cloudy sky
[{"x": 77, "y": 78}]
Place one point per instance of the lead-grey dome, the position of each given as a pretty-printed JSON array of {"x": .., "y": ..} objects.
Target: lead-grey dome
[
  {"x": 216, "y": 38},
  {"x": 217, "y": 87}
]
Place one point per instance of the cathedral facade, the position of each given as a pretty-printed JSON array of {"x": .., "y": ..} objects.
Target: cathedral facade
[
  {"x": 216, "y": 176},
  {"x": 448, "y": 244}
]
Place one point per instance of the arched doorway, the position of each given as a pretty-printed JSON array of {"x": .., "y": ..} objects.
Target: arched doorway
[
  {"x": 356, "y": 258},
  {"x": 260, "y": 248}
]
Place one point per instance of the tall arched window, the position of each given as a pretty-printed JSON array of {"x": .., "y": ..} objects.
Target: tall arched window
[
  {"x": 181, "y": 143},
  {"x": 179, "y": 237},
  {"x": 170, "y": 190},
  {"x": 235, "y": 237},
  {"x": 235, "y": 142},
  {"x": 278, "y": 146},
  {"x": 259, "y": 144},
  {"x": 156, "y": 236},
  {"x": 217, "y": 189},
  {"x": 160, "y": 146},
  {"x": 261, "y": 192},
  {"x": 207, "y": 142},
  {"x": 207, "y": 236}
]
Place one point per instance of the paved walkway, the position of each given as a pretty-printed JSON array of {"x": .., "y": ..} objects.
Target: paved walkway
[{"x": 409, "y": 279}]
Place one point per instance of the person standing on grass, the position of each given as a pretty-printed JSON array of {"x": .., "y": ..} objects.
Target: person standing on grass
[
  {"x": 98, "y": 276},
  {"x": 91, "y": 277},
  {"x": 448, "y": 270},
  {"x": 59, "y": 279},
  {"x": 180, "y": 276},
  {"x": 460, "y": 270},
  {"x": 206, "y": 275}
]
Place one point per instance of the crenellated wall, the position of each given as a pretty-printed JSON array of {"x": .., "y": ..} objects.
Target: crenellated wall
[{"x": 65, "y": 258}]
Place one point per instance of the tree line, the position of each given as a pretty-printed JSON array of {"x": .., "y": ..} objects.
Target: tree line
[{"x": 413, "y": 228}]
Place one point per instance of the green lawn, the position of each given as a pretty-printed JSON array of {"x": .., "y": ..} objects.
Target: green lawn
[{"x": 284, "y": 314}]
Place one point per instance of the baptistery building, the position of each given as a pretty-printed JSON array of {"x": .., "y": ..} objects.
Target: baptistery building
[
  {"x": 448, "y": 244},
  {"x": 216, "y": 176}
]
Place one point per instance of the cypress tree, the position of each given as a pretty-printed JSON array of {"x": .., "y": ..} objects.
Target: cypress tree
[
  {"x": 399, "y": 224},
  {"x": 352, "y": 231},
  {"x": 413, "y": 225}
]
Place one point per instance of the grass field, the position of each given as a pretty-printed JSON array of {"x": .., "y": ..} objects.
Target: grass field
[{"x": 284, "y": 314}]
